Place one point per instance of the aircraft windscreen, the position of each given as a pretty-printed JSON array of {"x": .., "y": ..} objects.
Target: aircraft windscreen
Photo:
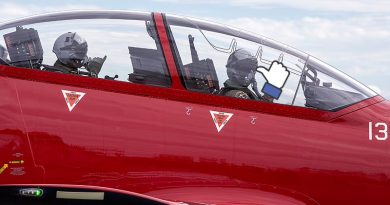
[
  {"x": 282, "y": 73},
  {"x": 119, "y": 49},
  {"x": 327, "y": 88},
  {"x": 219, "y": 44}
]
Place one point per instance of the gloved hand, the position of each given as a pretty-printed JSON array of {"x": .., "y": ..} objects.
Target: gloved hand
[
  {"x": 276, "y": 76},
  {"x": 95, "y": 65}
]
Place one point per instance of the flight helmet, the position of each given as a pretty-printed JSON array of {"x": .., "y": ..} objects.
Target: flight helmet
[
  {"x": 71, "y": 49},
  {"x": 241, "y": 67}
]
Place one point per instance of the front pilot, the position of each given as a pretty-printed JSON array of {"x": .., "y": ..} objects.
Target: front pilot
[{"x": 71, "y": 51}]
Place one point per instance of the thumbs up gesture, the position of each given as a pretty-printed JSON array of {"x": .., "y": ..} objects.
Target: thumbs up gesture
[{"x": 276, "y": 76}]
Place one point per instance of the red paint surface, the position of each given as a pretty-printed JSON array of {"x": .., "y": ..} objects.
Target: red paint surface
[
  {"x": 143, "y": 144},
  {"x": 143, "y": 139},
  {"x": 14, "y": 144}
]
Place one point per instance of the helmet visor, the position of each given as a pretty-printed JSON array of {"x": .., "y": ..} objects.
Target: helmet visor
[
  {"x": 77, "y": 47},
  {"x": 77, "y": 51}
]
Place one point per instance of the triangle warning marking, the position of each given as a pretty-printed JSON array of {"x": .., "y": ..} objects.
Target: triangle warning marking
[
  {"x": 220, "y": 119},
  {"x": 72, "y": 98}
]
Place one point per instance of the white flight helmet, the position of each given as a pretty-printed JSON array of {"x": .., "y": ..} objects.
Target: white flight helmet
[
  {"x": 71, "y": 49},
  {"x": 241, "y": 67}
]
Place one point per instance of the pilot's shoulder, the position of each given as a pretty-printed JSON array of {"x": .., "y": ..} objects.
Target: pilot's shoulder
[
  {"x": 237, "y": 94},
  {"x": 56, "y": 68}
]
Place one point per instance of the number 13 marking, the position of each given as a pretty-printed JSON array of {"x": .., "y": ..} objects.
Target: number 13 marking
[{"x": 383, "y": 130}]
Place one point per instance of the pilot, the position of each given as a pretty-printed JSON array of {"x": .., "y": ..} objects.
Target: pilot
[
  {"x": 241, "y": 69},
  {"x": 71, "y": 51}
]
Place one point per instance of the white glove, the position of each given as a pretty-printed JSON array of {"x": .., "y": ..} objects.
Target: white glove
[{"x": 276, "y": 76}]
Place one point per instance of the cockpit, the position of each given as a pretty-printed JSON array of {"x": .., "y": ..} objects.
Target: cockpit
[
  {"x": 26, "y": 50},
  {"x": 210, "y": 58},
  {"x": 284, "y": 74}
]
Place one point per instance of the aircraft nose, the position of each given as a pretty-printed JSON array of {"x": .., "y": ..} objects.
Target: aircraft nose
[
  {"x": 383, "y": 109},
  {"x": 386, "y": 111}
]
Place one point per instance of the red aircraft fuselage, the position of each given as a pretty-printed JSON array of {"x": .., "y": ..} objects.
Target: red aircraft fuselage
[{"x": 163, "y": 142}]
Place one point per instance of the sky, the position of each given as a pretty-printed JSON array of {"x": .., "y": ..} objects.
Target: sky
[{"x": 351, "y": 35}]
